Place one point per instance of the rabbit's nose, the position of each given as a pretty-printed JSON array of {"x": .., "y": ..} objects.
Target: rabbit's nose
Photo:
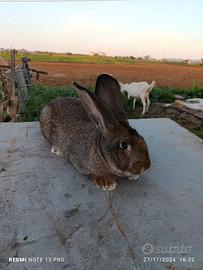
[{"x": 143, "y": 165}]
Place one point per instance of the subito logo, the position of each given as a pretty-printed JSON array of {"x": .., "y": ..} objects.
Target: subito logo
[{"x": 147, "y": 248}]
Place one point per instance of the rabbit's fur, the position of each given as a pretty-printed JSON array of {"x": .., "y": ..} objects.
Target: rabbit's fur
[{"x": 94, "y": 134}]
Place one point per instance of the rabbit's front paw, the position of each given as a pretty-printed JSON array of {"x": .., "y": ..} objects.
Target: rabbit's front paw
[
  {"x": 56, "y": 151},
  {"x": 134, "y": 177},
  {"x": 105, "y": 183}
]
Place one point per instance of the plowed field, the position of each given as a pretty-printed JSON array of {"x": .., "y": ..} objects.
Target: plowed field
[{"x": 171, "y": 75}]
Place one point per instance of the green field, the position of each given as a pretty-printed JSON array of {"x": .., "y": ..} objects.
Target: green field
[
  {"x": 71, "y": 58},
  {"x": 40, "y": 95},
  {"x": 80, "y": 58}
]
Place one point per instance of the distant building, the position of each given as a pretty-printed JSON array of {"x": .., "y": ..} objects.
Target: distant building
[
  {"x": 174, "y": 60},
  {"x": 191, "y": 61}
]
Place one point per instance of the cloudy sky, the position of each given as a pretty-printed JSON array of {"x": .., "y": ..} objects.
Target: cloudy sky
[{"x": 161, "y": 28}]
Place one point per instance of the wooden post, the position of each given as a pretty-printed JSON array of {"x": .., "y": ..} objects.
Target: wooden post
[
  {"x": 13, "y": 107},
  {"x": 12, "y": 72},
  {"x": 13, "y": 103},
  {"x": 23, "y": 93}
]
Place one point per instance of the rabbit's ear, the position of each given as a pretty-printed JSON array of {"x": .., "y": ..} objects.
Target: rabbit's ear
[
  {"x": 97, "y": 111},
  {"x": 108, "y": 89}
]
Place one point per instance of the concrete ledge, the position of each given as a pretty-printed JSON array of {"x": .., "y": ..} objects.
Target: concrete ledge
[{"x": 47, "y": 209}]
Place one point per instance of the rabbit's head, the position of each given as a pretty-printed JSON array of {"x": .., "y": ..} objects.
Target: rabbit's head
[{"x": 122, "y": 147}]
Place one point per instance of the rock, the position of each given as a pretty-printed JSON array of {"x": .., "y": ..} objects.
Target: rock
[
  {"x": 179, "y": 97},
  {"x": 179, "y": 104},
  {"x": 166, "y": 105}
]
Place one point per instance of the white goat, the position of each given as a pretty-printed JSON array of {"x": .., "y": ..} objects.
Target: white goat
[{"x": 140, "y": 90}]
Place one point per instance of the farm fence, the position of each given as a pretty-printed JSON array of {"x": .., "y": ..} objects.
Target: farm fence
[{"x": 15, "y": 83}]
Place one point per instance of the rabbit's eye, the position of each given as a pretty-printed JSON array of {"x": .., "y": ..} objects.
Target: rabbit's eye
[{"x": 124, "y": 145}]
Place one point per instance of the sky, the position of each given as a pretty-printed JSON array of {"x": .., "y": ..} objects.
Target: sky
[{"x": 160, "y": 28}]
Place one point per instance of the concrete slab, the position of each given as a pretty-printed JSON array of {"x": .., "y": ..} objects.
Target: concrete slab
[{"x": 48, "y": 210}]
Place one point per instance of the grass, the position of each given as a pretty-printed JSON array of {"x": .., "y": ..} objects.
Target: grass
[
  {"x": 71, "y": 58},
  {"x": 164, "y": 95},
  {"x": 82, "y": 58},
  {"x": 199, "y": 133},
  {"x": 40, "y": 95}
]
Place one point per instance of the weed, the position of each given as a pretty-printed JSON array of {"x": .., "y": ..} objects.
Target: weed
[
  {"x": 40, "y": 95},
  {"x": 199, "y": 133}
]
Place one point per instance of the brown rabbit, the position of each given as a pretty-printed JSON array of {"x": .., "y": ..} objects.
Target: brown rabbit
[{"x": 94, "y": 134}]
